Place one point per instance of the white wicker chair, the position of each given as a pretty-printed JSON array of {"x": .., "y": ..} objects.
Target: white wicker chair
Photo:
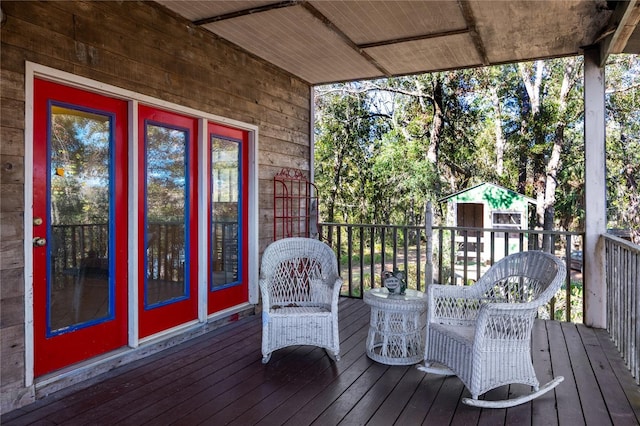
[
  {"x": 300, "y": 288},
  {"x": 482, "y": 333}
]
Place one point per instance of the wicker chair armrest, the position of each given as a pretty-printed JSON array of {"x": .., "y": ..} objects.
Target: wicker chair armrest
[
  {"x": 335, "y": 292},
  {"x": 263, "y": 283},
  {"x": 499, "y": 322},
  {"x": 326, "y": 290}
]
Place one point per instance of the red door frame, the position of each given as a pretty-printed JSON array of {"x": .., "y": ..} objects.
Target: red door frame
[
  {"x": 155, "y": 319},
  {"x": 226, "y": 297},
  {"x": 59, "y": 349}
]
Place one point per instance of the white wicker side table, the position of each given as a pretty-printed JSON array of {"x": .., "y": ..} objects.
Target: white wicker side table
[{"x": 397, "y": 326}]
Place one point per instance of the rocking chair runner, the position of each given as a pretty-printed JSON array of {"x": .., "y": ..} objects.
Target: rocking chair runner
[
  {"x": 482, "y": 333},
  {"x": 300, "y": 287}
]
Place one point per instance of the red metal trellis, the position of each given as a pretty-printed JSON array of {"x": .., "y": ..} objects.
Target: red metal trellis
[{"x": 295, "y": 205}]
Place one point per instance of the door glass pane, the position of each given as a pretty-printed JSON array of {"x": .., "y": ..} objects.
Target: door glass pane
[
  {"x": 166, "y": 213},
  {"x": 225, "y": 217},
  {"x": 78, "y": 247}
]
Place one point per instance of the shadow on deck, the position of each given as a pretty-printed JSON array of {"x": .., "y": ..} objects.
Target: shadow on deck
[{"x": 218, "y": 378}]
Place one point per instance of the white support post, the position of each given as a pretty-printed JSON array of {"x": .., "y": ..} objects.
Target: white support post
[
  {"x": 428, "y": 230},
  {"x": 595, "y": 286}
]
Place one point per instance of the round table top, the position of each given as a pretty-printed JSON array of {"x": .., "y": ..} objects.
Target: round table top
[{"x": 382, "y": 297}]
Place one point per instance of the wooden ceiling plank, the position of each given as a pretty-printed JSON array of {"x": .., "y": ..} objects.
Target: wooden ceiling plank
[
  {"x": 465, "y": 7},
  {"x": 245, "y": 12},
  {"x": 327, "y": 22}
]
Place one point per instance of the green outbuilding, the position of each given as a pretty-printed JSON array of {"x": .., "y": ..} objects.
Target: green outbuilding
[{"x": 490, "y": 207}]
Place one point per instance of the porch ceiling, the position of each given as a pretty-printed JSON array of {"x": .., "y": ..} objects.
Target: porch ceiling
[{"x": 327, "y": 41}]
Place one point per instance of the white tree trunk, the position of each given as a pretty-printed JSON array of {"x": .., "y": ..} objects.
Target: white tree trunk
[{"x": 500, "y": 142}]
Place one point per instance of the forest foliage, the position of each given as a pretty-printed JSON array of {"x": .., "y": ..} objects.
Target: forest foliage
[{"x": 383, "y": 148}]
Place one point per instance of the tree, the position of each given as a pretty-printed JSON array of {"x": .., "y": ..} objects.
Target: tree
[
  {"x": 519, "y": 125},
  {"x": 347, "y": 138},
  {"x": 623, "y": 143}
]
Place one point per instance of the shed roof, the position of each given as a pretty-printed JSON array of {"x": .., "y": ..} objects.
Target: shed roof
[
  {"x": 327, "y": 41},
  {"x": 488, "y": 185}
]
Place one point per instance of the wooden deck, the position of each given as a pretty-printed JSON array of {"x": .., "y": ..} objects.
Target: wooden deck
[{"x": 218, "y": 378}]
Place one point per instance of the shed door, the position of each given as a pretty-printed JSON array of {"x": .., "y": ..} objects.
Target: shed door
[
  {"x": 470, "y": 215},
  {"x": 80, "y": 225}
]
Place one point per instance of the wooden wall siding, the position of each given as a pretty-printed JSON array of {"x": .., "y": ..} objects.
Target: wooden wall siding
[{"x": 144, "y": 48}]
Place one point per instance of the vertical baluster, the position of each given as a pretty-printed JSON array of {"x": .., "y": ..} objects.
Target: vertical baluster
[
  {"x": 383, "y": 253},
  {"x": 478, "y": 254},
  {"x": 465, "y": 257},
  {"x": 339, "y": 248},
  {"x": 349, "y": 259},
  {"x": 395, "y": 248},
  {"x": 361, "y": 254},
  {"x": 567, "y": 297},
  {"x": 405, "y": 236},
  {"x": 635, "y": 297},
  {"x": 441, "y": 279},
  {"x": 506, "y": 243},
  {"x": 418, "y": 234},
  {"x": 493, "y": 247},
  {"x": 372, "y": 250},
  {"x": 624, "y": 285},
  {"x": 452, "y": 257}
]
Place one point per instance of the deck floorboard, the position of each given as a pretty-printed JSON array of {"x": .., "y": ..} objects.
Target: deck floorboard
[{"x": 218, "y": 378}]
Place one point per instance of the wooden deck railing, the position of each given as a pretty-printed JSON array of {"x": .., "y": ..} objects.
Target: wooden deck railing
[
  {"x": 458, "y": 256},
  {"x": 623, "y": 299}
]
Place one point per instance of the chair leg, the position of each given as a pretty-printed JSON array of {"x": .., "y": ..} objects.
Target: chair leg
[
  {"x": 441, "y": 371},
  {"x": 266, "y": 358},
  {"x": 335, "y": 356}
]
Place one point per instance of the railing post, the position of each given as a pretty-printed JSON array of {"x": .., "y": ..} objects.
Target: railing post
[{"x": 428, "y": 231}]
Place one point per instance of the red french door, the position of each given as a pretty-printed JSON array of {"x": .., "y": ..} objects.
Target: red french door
[
  {"x": 228, "y": 152},
  {"x": 168, "y": 256},
  {"x": 79, "y": 225}
]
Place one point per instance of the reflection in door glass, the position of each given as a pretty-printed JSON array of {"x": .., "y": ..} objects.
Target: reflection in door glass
[
  {"x": 78, "y": 248},
  {"x": 166, "y": 196},
  {"x": 225, "y": 184}
]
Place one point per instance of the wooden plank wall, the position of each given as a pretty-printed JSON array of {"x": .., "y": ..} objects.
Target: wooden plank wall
[{"x": 142, "y": 47}]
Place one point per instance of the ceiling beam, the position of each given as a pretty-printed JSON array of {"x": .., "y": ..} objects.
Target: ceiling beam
[
  {"x": 414, "y": 38},
  {"x": 624, "y": 20},
  {"x": 467, "y": 13},
  {"x": 246, "y": 12},
  {"x": 327, "y": 22}
]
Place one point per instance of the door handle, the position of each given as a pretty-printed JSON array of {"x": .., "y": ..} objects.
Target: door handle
[{"x": 39, "y": 242}]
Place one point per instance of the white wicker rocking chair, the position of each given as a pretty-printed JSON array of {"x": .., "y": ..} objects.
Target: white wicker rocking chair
[
  {"x": 300, "y": 288},
  {"x": 482, "y": 333}
]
